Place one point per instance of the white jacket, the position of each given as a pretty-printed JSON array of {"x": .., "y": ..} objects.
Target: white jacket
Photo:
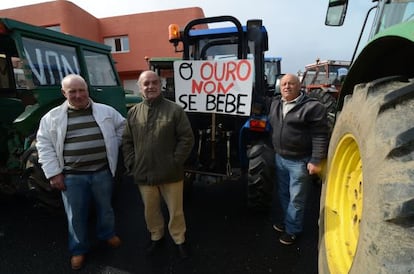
[{"x": 52, "y": 132}]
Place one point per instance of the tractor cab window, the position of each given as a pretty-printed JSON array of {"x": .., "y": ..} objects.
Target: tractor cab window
[
  {"x": 341, "y": 72},
  {"x": 213, "y": 51},
  {"x": 396, "y": 12},
  {"x": 337, "y": 74},
  {"x": 321, "y": 75},
  {"x": 207, "y": 48},
  {"x": 100, "y": 71},
  {"x": 49, "y": 62},
  {"x": 19, "y": 76},
  {"x": 272, "y": 71},
  {"x": 14, "y": 85},
  {"x": 10, "y": 64},
  {"x": 5, "y": 77},
  {"x": 308, "y": 77},
  {"x": 315, "y": 76}
]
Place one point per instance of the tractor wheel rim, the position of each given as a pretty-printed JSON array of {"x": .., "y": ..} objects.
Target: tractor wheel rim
[{"x": 343, "y": 205}]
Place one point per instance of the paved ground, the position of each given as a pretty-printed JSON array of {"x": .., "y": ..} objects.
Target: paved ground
[{"x": 224, "y": 238}]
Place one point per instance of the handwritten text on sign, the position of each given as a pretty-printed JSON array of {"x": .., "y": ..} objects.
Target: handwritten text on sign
[{"x": 214, "y": 86}]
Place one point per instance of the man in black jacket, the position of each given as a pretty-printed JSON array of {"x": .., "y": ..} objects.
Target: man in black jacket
[{"x": 300, "y": 140}]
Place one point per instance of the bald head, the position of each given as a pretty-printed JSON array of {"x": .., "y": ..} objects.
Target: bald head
[
  {"x": 72, "y": 78},
  {"x": 149, "y": 85},
  {"x": 290, "y": 87},
  {"x": 75, "y": 90},
  {"x": 147, "y": 73}
]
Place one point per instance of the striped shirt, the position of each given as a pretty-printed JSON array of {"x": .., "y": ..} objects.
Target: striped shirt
[{"x": 84, "y": 148}]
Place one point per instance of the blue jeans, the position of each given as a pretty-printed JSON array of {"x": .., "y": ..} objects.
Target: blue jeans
[
  {"x": 291, "y": 191},
  {"x": 81, "y": 189}
]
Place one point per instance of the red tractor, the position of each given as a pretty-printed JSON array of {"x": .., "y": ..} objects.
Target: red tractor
[{"x": 323, "y": 80}]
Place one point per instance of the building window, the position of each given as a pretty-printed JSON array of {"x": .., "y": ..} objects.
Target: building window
[{"x": 118, "y": 44}]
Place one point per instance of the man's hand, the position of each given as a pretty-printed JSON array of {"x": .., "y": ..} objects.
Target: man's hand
[
  {"x": 57, "y": 182},
  {"x": 314, "y": 169}
]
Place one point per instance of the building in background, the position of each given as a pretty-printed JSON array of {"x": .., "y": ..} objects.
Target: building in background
[{"x": 132, "y": 37}]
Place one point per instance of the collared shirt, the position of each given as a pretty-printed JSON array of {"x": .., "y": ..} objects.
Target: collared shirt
[{"x": 288, "y": 105}]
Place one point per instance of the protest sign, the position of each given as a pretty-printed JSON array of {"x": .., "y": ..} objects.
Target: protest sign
[{"x": 223, "y": 86}]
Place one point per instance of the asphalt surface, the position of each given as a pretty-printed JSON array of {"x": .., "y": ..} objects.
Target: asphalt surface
[{"x": 223, "y": 235}]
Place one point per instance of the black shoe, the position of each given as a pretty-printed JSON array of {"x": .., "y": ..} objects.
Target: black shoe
[
  {"x": 182, "y": 251},
  {"x": 287, "y": 239},
  {"x": 153, "y": 246},
  {"x": 279, "y": 227}
]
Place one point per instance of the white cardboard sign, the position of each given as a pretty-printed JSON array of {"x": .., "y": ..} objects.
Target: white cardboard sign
[{"x": 223, "y": 87}]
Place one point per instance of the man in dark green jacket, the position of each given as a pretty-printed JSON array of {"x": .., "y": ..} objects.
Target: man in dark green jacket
[{"x": 157, "y": 141}]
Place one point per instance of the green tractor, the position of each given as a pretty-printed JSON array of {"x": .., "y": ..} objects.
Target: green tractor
[
  {"x": 367, "y": 202},
  {"x": 33, "y": 60}
]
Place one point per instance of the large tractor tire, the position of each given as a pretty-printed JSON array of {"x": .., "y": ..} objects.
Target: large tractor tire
[
  {"x": 367, "y": 200},
  {"x": 328, "y": 101},
  {"x": 260, "y": 178},
  {"x": 39, "y": 187}
]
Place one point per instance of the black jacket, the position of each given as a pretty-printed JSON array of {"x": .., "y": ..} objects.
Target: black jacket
[{"x": 303, "y": 132}]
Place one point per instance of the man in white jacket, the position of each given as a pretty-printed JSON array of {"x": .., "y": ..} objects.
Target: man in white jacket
[{"x": 78, "y": 144}]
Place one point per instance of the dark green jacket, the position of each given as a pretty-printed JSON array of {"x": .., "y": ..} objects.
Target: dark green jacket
[{"x": 156, "y": 142}]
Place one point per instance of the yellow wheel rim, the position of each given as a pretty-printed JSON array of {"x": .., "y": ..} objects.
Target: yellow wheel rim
[{"x": 343, "y": 205}]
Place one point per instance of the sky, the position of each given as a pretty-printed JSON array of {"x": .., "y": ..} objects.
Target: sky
[{"x": 296, "y": 28}]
